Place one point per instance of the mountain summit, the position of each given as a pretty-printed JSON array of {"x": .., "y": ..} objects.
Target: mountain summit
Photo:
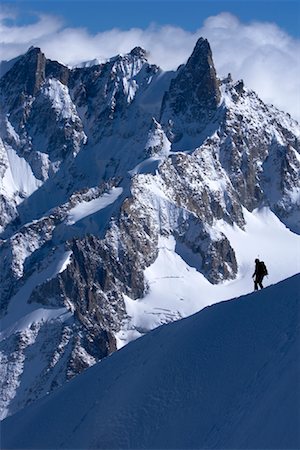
[
  {"x": 130, "y": 197},
  {"x": 194, "y": 94}
]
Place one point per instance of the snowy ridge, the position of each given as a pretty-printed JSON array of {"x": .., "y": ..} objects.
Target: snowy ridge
[{"x": 232, "y": 373}]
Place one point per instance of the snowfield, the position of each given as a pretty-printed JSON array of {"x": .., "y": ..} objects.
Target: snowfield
[{"x": 226, "y": 377}]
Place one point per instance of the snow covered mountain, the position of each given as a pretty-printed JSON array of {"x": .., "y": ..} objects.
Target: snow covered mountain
[
  {"x": 226, "y": 377},
  {"x": 131, "y": 197}
]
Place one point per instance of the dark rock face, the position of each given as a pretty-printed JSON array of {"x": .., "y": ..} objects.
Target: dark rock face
[
  {"x": 197, "y": 81},
  {"x": 220, "y": 261},
  {"x": 30, "y": 71},
  {"x": 20, "y": 83},
  {"x": 58, "y": 71},
  {"x": 28, "y": 74},
  {"x": 194, "y": 95}
]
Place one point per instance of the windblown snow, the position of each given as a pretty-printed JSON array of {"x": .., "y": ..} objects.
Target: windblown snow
[{"x": 226, "y": 377}]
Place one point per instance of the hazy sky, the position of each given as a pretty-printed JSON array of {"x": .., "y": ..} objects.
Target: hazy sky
[{"x": 258, "y": 41}]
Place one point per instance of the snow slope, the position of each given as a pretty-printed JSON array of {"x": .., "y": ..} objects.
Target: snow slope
[
  {"x": 18, "y": 179},
  {"x": 177, "y": 289},
  {"x": 226, "y": 377},
  {"x": 85, "y": 208}
]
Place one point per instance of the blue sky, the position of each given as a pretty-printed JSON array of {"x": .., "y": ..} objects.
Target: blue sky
[
  {"x": 257, "y": 41},
  {"x": 99, "y": 15}
]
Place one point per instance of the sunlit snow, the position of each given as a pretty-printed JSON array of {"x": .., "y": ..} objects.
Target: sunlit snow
[
  {"x": 18, "y": 178},
  {"x": 86, "y": 208},
  {"x": 177, "y": 289},
  {"x": 21, "y": 314}
]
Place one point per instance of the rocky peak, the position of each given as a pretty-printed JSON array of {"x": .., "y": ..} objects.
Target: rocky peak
[
  {"x": 139, "y": 52},
  {"x": 194, "y": 93},
  {"x": 129, "y": 65},
  {"x": 21, "y": 83},
  {"x": 201, "y": 69},
  {"x": 199, "y": 76},
  {"x": 29, "y": 72}
]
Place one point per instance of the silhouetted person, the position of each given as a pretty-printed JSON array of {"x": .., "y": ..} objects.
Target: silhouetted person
[{"x": 259, "y": 273}]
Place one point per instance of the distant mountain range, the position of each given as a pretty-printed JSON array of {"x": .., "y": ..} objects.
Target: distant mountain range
[{"x": 130, "y": 197}]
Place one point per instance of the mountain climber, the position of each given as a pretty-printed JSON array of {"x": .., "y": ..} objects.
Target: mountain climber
[{"x": 259, "y": 273}]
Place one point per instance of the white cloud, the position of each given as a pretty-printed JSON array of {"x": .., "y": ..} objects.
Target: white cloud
[{"x": 261, "y": 53}]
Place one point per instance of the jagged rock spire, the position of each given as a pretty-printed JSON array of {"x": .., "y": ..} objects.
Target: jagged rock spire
[
  {"x": 200, "y": 68},
  {"x": 32, "y": 70},
  {"x": 194, "y": 94}
]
